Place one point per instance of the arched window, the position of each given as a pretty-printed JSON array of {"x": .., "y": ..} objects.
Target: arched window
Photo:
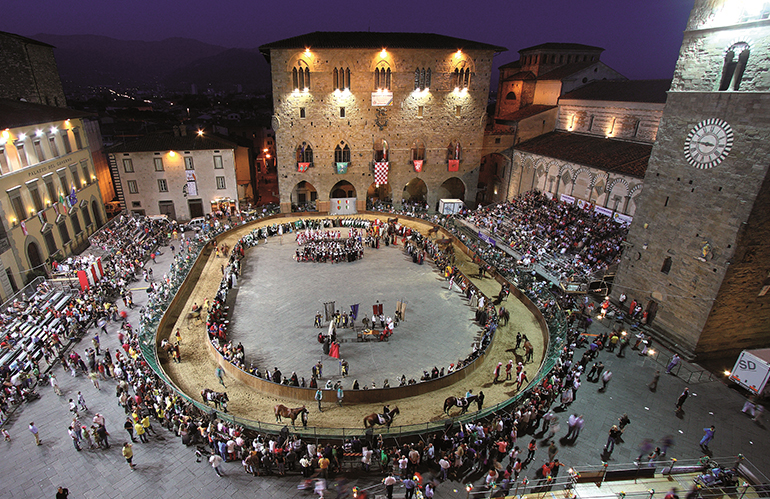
[
  {"x": 462, "y": 77},
  {"x": 510, "y": 96},
  {"x": 341, "y": 78},
  {"x": 381, "y": 150},
  {"x": 382, "y": 76},
  {"x": 454, "y": 150},
  {"x": 305, "y": 153},
  {"x": 342, "y": 153},
  {"x": 736, "y": 58},
  {"x": 300, "y": 76},
  {"x": 418, "y": 151},
  {"x": 422, "y": 78}
]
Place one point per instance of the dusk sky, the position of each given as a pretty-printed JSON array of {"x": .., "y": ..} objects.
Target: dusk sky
[{"x": 641, "y": 37}]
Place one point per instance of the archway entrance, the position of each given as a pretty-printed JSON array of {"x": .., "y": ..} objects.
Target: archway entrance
[
  {"x": 97, "y": 214},
  {"x": 34, "y": 257},
  {"x": 342, "y": 199},
  {"x": 452, "y": 188},
  {"x": 303, "y": 197},
  {"x": 343, "y": 189},
  {"x": 415, "y": 194},
  {"x": 379, "y": 196}
]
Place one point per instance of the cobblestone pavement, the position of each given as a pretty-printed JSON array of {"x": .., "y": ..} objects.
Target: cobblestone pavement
[{"x": 166, "y": 468}]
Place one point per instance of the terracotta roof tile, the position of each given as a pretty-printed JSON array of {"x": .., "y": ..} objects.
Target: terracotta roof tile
[
  {"x": 612, "y": 155},
  {"x": 525, "y": 112},
  {"x": 654, "y": 91},
  {"x": 169, "y": 142},
  {"x": 377, "y": 40}
]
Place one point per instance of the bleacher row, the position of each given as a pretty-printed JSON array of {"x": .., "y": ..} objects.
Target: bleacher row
[{"x": 29, "y": 327}]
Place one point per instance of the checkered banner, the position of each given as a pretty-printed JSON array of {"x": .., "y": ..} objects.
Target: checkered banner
[
  {"x": 453, "y": 165},
  {"x": 302, "y": 167},
  {"x": 342, "y": 168},
  {"x": 381, "y": 172},
  {"x": 418, "y": 164}
]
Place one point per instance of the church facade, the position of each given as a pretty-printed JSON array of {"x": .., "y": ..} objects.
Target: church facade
[{"x": 377, "y": 117}]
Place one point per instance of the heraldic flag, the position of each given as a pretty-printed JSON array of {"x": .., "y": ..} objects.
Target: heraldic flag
[
  {"x": 453, "y": 165},
  {"x": 418, "y": 164},
  {"x": 381, "y": 172},
  {"x": 302, "y": 167},
  {"x": 354, "y": 311},
  {"x": 329, "y": 310}
]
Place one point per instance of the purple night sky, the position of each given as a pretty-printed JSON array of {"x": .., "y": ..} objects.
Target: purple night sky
[{"x": 641, "y": 38}]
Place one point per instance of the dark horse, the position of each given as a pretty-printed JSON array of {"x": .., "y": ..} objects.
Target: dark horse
[
  {"x": 283, "y": 411},
  {"x": 463, "y": 402},
  {"x": 374, "y": 419},
  {"x": 220, "y": 399}
]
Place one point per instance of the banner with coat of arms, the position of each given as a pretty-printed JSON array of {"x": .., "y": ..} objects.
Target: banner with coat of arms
[
  {"x": 381, "y": 172},
  {"x": 418, "y": 164},
  {"x": 453, "y": 165},
  {"x": 302, "y": 167},
  {"x": 342, "y": 168}
]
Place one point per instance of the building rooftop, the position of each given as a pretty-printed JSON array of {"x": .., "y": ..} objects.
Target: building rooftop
[
  {"x": 654, "y": 91},
  {"x": 169, "y": 142},
  {"x": 17, "y": 113},
  {"x": 561, "y": 46},
  {"x": 611, "y": 155},
  {"x": 525, "y": 112},
  {"x": 522, "y": 75},
  {"x": 23, "y": 39},
  {"x": 375, "y": 40},
  {"x": 567, "y": 70}
]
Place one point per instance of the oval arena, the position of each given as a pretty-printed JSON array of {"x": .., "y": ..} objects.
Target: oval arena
[{"x": 272, "y": 310}]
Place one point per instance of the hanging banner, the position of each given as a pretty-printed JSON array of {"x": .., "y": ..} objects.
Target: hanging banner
[
  {"x": 453, "y": 165},
  {"x": 83, "y": 279},
  {"x": 192, "y": 189},
  {"x": 342, "y": 168},
  {"x": 381, "y": 173},
  {"x": 302, "y": 167},
  {"x": 622, "y": 219},
  {"x": 418, "y": 164},
  {"x": 567, "y": 199},
  {"x": 603, "y": 211},
  {"x": 354, "y": 311},
  {"x": 23, "y": 227}
]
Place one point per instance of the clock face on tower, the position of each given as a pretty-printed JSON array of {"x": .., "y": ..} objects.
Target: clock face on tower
[{"x": 708, "y": 143}]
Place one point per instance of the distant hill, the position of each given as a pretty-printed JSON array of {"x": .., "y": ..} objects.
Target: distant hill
[{"x": 175, "y": 63}]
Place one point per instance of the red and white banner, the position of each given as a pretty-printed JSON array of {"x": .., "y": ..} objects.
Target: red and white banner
[
  {"x": 418, "y": 164},
  {"x": 381, "y": 172},
  {"x": 453, "y": 165},
  {"x": 83, "y": 279},
  {"x": 23, "y": 227},
  {"x": 302, "y": 167}
]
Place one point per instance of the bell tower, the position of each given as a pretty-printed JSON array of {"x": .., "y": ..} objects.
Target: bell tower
[{"x": 698, "y": 254}]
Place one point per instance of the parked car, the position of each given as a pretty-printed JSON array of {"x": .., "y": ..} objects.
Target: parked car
[
  {"x": 195, "y": 224},
  {"x": 112, "y": 208}
]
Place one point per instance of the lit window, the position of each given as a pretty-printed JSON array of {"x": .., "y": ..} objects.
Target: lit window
[
  {"x": 382, "y": 76},
  {"x": 342, "y": 153},
  {"x": 462, "y": 77},
  {"x": 221, "y": 183},
  {"x": 158, "y": 164},
  {"x": 188, "y": 163},
  {"x": 422, "y": 78},
  {"x": 132, "y": 188},
  {"x": 78, "y": 140},
  {"x": 218, "y": 165},
  {"x": 341, "y": 77},
  {"x": 300, "y": 76},
  {"x": 128, "y": 165}
]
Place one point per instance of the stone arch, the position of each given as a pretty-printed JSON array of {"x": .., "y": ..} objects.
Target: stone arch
[
  {"x": 378, "y": 194},
  {"x": 452, "y": 188},
  {"x": 553, "y": 177},
  {"x": 615, "y": 200},
  {"x": 415, "y": 191},
  {"x": 342, "y": 189},
  {"x": 303, "y": 196},
  {"x": 34, "y": 255},
  {"x": 587, "y": 185},
  {"x": 299, "y": 59},
  {"x": 510, "y": 95},
  {"x": 97, "y": 214}
]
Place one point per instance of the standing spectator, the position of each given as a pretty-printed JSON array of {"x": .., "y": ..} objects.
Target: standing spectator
[
  {"x": 216, "y": 460},
  {"x": 220, "y": 375},
  {"x": 129, "y": 426},
  {"x": 707, "y": 437},
  {"x": 444, "y": 464},
  {"x": 35, "y": 433},
  {"x": 672, "y": 363},
  {"x": 531, "y": 448},
  {"x": 409, "y": 486},
  {"x": 55, "y": 384},
  {"x": 340, "y": 395},
  {"x": 552, "y": 451},
  {"x": 389, "y": 481},
  {"x": 128, "y": 454},
  {"x": 319, "y": 395},
  {"x": 62, "y": 493},
  {"x": 682, "y": 399},
  {"x": 612, "y": 439},
  {"x": 74, "y": 433},
  {"x": 82, "y": 401}
]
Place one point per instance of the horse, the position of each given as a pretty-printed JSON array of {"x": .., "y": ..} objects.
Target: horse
[
  {"x": 220, "y": 399},
  {"x": 374, "y": 419},
  {"x": 461, "y": 402},
  {"x": 282, "y": 411},
  {"x": 432, "y": 231}
]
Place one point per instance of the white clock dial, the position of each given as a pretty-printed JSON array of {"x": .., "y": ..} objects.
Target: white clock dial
[{"x": 708, "y": 143}]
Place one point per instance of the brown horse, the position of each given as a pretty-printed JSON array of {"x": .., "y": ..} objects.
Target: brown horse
[
  {"x": 374, "y": 419},
  {"x": 283, "y": 411},
  {"x": 461, "y": 402},
  {"x": 432, "y": 231}
]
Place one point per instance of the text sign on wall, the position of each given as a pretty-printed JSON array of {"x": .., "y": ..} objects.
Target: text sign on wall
[
  {"x": 487, "y": 239},
  {"x": 382, "y": 98}
]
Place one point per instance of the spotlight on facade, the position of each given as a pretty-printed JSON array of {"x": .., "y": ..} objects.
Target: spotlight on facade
[
  {"x": 458, "y": 54},
  {"x": 22, "y": 136},
  {"x": 383, "y": 53},
  {"x": 200, "y": 133},
  {"x": 39, "y": 132},
  {"x": 54, "y": 129},
  {"x": 171, "y": 153}
]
